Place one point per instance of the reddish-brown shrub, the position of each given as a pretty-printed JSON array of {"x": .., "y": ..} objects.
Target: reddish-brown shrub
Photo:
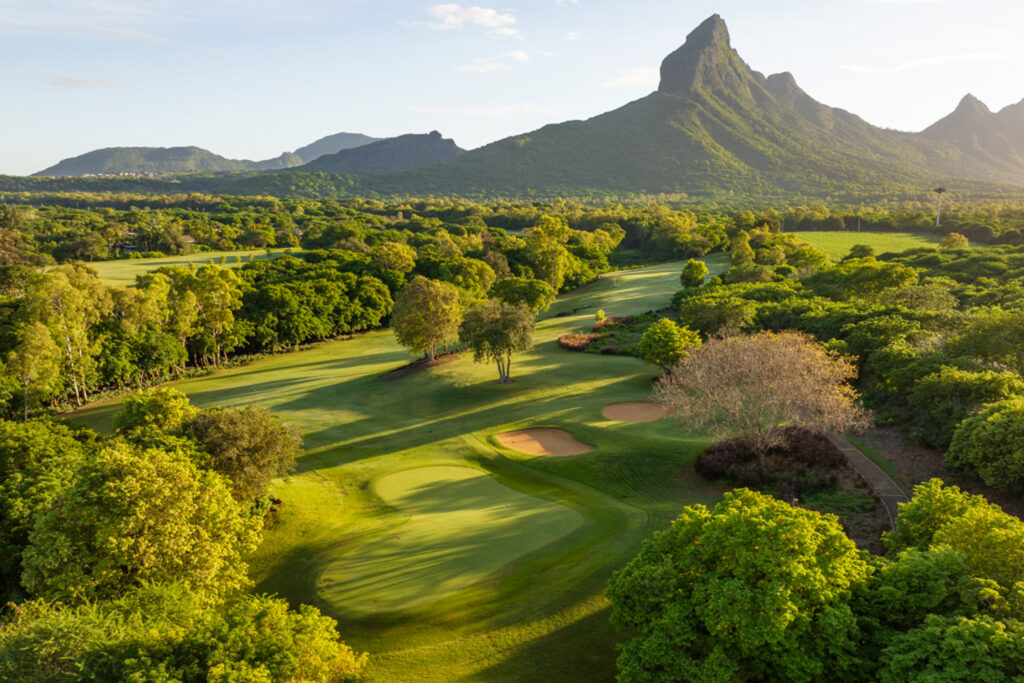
[
  {"x": 613, "y": 320},
  {"x": 576, "y": 342}
]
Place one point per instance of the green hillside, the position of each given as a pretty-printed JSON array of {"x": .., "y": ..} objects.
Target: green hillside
[{"x": 393, "y": 154}]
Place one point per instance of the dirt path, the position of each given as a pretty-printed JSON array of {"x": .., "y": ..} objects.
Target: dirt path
[{"x": 887, "y": 490}]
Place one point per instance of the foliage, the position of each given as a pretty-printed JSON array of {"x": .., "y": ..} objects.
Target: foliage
[
  {"x": 134, "y": 516},
  {"x": 166, "y": 632},
  {"x": 991, "y": 444},
  {"x": 162, "y": 409},
  {"x": 953, "y": 240},
  {"x": 536, "y": 294},
  {"x": 666, "y": 344},
  {"x": 250, "y": 446},
  {"x": 427, "y": 313},
  {"x": 943, "y": 399},
  {"x": 495, "y": 330},
  {"x": 755, "y": 385},
  {"x": 751, "y": 588},
  {"x": 693, "y": 273}
]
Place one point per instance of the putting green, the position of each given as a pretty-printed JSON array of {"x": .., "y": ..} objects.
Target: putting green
[{"x": 463, "y": 526}]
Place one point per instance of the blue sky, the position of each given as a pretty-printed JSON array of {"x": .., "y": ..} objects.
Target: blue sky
[{"x": 253, "y": 78}]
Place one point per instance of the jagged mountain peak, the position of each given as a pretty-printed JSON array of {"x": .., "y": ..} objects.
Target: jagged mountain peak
[
  {"x": 971, "y": 105},
  {"x": 705, "y": 60}
]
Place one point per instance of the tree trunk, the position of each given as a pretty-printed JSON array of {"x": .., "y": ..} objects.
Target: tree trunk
[
  {"x": 430, "y": 353},
  {"x": 26, "y": 403},
  {"x": 508, "y": 368}
]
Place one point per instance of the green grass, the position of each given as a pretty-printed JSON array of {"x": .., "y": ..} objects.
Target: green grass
[
  {"x": 424, "y": 585},
  {"x": 463, "y": 526},
  {"x": 123, "y": 272},
  {"x": 837, "y": 244}
]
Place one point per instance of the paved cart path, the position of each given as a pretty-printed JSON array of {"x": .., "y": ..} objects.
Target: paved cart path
[{"x": 887, "y": 490}]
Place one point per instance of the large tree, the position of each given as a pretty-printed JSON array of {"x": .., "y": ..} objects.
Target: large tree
[
  {"x": 250, "y": 446},
  {"x": 495, "y": 330},
  {"x": 34, "y": 365},
  {"x": 536, "y": 294},
  {"x": 753, "y": 589},
  {"x": 135, "y": 516},
  {"x": 427, "y": 313},
  {"x": 756, "y": 385}
]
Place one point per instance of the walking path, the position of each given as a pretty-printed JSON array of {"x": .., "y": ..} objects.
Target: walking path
[{"x": 887, "y": 490}]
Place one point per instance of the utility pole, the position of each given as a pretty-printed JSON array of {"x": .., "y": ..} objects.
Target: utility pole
[{"x": 938, "y": 207}]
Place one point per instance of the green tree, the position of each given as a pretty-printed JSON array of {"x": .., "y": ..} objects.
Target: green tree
[
  {"x": 536, "y": 294},
  {"x": 991, "y": 444},
  {"x": 167, "y": 632},
  {"x": 394, "y": 256},
  {"x": 495, "y": 330},
  {"x": 39, "y": 459},
  {"x": 427, "y": 313},
  {"x": 136, "y": 516},
  {"x": 943, "y": 399},
  {"x": 741, "y": 252},
  {"x": 956, "y": 648},
  {"x": 953, "y": 240},
  {"x": 693, "y": 273},
  {"x": 250, "y": 446},
  {"x": 34, "y": 365},
  {"x": 752, "y": 589},
  {"x": 162, "y": 409},
  {"x": 666, "y": 344}
]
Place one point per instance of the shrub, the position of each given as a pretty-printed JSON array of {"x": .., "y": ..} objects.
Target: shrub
[
  {"x": 992, "y": 444},
  {"x": 943, "y": 399},
  {"x": 576, "y": 342}
]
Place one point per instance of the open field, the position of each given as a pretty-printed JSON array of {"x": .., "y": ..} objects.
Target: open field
[
  {"x": 382, "y": 456},
  {"x": 837, "y": 244},
  {"x": 123, "y": 272}
]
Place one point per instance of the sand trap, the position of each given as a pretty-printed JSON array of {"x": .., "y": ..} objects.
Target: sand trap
[
  {"x": 543, "y": 442},
  {"x": 635, "y": 411}
]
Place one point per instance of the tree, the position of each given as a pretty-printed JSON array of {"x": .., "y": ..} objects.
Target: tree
[
  {"x": 536, "y": 294},
  {"x": 495, "y": 330},
  {"x": 754, "y": 385},
  {"x": 943, "y": 399},
  {"x": 167, "y": 632},
  {"x": 426, "y": 313},
  {"x": 741, "y": 251},
  {"x": 860, "y": 251},
  {"x": 394, "y": 256},
  {"x": 250, "y": 446},
  {"x": 693, "y": 273},
  {"x": 34, "y": 365},
  {"x": 135, "y": 516},
  {"x": 162, "y": 409},
  {"x": 666, "y": 344},
  {"x": 991, "y": 444},
  {"x": 953, "y": 240},
  {"x": 38, "y": 460},
  {"x": 753, "y": 589}
]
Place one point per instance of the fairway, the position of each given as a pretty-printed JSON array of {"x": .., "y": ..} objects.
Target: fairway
[
  {"x": 123, "y": 272},
  {"x": 463, "y": 525},
  {"x": 391, "y": 523},
  {"x": 837, "y": 243}
]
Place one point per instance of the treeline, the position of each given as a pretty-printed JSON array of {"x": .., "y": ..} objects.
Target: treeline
[
  {"x": 44, "y": 228},
  {"x": 65, "y": 334}
]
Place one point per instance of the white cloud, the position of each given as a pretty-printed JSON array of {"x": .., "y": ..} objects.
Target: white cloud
[
  {"x": 641, "y": 76},
  {"x": 502, "y": 62},
  {"x": 453, "y": 16},
  {"x": 491, "y": 111},
  {"x": 77, "y": 82},
  {"x": 938, "y": 60},
  {"x": 563, "y": 3},
  {"x": 572, "y": 36}
]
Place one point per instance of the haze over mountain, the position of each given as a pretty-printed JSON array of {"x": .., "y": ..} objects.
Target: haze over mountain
[
  {"x": 392, "y": 154},
  {"x": 114, "y": 160}
]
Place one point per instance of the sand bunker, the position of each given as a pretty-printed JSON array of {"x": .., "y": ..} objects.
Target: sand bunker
[
  {"x": 636, "y": 411},
  {"x": 543, "y": 442}
]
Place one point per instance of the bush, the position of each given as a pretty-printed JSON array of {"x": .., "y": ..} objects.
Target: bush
[
  {"x": 991, "y": 444},
  {"x": 576, "y": 342},
  {"x": 945, "y": 398},
  {"x": 805, "y": 462}
]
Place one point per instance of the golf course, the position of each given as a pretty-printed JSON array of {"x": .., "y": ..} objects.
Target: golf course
[
  {"x": 443, "y": 553},
  {"x": 458, "y": 528}
]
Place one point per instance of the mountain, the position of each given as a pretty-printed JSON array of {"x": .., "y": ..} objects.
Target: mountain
[
  {"x": 993, "y": 138},
  {"x": 713, "y": 126},
  {"x": 391, "y": 154},
  {"x": 163, "y": 160},
  {"x": 332, "y": 144}
]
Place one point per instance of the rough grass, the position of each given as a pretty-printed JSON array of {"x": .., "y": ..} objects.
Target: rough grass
[{"x": 837, "y": 243}]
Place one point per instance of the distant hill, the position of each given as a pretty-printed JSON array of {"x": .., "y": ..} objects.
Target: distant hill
[
  {"x": 144, "y": 160},
  {"x": 992, "y": 138},
  {"x": 391, "y": 154},
  {"x": 332, "y": 144}
]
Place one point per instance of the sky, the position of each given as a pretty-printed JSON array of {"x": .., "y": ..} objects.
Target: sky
[{"x": 250, "y": 79}]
